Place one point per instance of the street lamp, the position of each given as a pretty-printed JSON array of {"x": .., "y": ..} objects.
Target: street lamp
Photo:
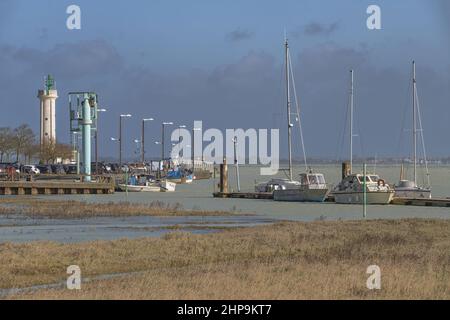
[
  {"x": 236, "y": 164},
  {"x": 96, "y": 140},
  {"x": 137, "y": 151},
  {"x": 120, "y": 136},
  {"x": 164, "y": 124},
  {"x": 143, "y": 139},
  {"x": 193, "y": 148},
  {"x": 179, "y": 134}
]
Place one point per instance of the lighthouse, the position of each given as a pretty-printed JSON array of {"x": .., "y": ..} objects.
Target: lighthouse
[{"x": 47, "y": 99}]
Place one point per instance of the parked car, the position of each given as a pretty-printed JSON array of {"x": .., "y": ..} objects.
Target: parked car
[
  {"x": 58, "y": 169},
  {"x": 70, "y": 169},
  {"x": 45, "y": 168},
  {"x": 30, "y": 169},
  {"x": 102, "y": 168}
]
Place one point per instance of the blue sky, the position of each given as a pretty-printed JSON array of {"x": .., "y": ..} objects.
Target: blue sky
[{"x": 211, "y": 60}]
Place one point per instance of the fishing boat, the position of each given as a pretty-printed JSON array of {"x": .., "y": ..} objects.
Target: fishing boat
[
  {"x": 179, "y": 175},
  {"x": 409, "y": 188},
  {"x": 354, "y": 187},
  {"x": 312, "y": 186}
]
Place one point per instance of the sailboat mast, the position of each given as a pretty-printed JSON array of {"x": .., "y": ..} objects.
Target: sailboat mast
[
  {"x": 351, "y": 121},
  {"x": 414, "y": 125},
  {"x": 288, "y": 100}
]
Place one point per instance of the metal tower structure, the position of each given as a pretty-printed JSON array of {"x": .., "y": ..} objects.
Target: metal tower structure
[{"x": 83, "y": 110}]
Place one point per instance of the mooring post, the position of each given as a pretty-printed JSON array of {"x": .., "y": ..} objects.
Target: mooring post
[
  {"x": 346, "y": 169},
  {"x": 365, "y": 191},
  {"x": 224, "y": 176}
]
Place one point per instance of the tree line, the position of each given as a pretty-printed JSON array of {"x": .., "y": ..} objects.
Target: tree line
[{"x": 21, "y": 143}]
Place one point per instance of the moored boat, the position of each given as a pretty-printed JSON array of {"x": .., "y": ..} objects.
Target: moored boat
[
  {"x": 167, "y": 186},
  {"x": 139, "y": 188},
  {"x": 409, "y": 188},
  {"x": 312, "y": 186},
  {"x": 351, "y": 190}
]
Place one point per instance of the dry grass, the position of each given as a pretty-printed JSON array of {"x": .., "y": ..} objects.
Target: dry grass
[
  {"x": 76, "y": 209},
  {"x": 318, "y": 260}
]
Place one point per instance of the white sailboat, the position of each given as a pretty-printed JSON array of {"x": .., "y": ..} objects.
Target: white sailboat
[
  {"x": 312, "y": 186},
  {"x": 409, "y": 188},
  {"x": 351, "y": 189}
]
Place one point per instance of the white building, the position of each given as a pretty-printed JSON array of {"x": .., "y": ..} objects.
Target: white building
[{"x": 48, "y": 98}]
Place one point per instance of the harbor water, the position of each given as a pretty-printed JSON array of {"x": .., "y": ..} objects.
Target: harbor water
[{"x": 198, "y": 196}]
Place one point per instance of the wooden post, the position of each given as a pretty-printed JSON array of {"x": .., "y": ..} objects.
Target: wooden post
[
  {"x": 224, "y": 176},
  {"x": 346, "y": 169}
]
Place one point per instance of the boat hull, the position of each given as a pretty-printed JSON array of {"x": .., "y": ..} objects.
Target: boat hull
[
  {"x": 414, "y": 193},
  {"x": 301, "y": 195},
  {"x": 373, "y": 197},
  {"x": 168, "y": 186},
  {"x": 133, "y": 188}
]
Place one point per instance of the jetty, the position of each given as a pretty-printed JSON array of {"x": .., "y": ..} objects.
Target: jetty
[
  {"x": 424, "y": 202},
  {"x": 56, "y": 187}
]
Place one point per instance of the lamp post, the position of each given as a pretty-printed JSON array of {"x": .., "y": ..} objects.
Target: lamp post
[
  {"x": 143, "y": 139},
  {"x": 96, "y": 140},
  {"x": 138, "y": 147},
  {"x": 179, "y": 136},
  {"x": 236, "y": 164},
  {"x": 159, "y": 163},
  {"x": 164, "y": 124},
  {"x": 120, "y": 137},
  {"x": 193, "y": 148}
]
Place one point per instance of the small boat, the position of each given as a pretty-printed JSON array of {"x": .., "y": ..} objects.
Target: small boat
[
  {"x": 167, "y": 186},
  {"x": 179, "y": 176},
  {"x": 409, "y": 188},
  {"x": 138, "y": 188},
  {"x": 312, "y": 188},
  {"x": 351, "y": 188}
]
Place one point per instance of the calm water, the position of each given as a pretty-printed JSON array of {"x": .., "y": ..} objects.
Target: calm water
[{"x": 198, "y": 196}]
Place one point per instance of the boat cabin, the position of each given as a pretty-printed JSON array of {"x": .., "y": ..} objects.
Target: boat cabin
[
  {"x": 359, "y": 179},
  {"x": 312, "y": 179}
]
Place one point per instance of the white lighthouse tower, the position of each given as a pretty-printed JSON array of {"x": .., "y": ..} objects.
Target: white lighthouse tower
[{"x": 48, "y": 98}]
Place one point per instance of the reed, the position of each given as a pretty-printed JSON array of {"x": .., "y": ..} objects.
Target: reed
[
  {"x": 289, "y": 260},
  {"x": 76, "y": 209}
]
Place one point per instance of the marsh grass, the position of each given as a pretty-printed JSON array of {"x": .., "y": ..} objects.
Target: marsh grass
[
  {"x": 76, "y": 209},
  {"x": 289, "y": 260}
]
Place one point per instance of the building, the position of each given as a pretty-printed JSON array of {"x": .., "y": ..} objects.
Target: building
[{"x": 47, "y": 99}]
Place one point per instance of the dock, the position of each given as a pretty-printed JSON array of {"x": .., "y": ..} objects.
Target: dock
[
  {"x": 54, "y": 187},
  {"x": 424, "y": 202}
]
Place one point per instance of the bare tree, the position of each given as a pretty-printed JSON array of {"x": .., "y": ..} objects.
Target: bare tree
[
  {"x": 50, "y": 152},
  {"x": 30, "y": 151},
  {"x": 6, "y": 142},
  {"x": 23, "y": 136}
]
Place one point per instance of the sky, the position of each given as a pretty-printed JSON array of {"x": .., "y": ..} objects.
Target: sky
[{"x": 221, "y": 62}]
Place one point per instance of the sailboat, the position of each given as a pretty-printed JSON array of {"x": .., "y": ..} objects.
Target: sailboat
[
  {"x": 351, "y": 189},
  {"x": 409, "y": 188},
  {"x": 312, "y": 186}
]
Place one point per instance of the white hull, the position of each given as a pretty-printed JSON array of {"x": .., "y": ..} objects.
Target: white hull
[
  {"x": 414, "y": 193},
  {"x": 373, "y": 197},
  {"x": 301, "y": 195},
  {"x": 133, "y": 188},
  {"x": 168, "y": 186}
]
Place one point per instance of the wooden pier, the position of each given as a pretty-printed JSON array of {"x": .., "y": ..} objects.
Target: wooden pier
[
  {"x": 54, "y": 187},
  {"x": 424, "y": 202}
]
